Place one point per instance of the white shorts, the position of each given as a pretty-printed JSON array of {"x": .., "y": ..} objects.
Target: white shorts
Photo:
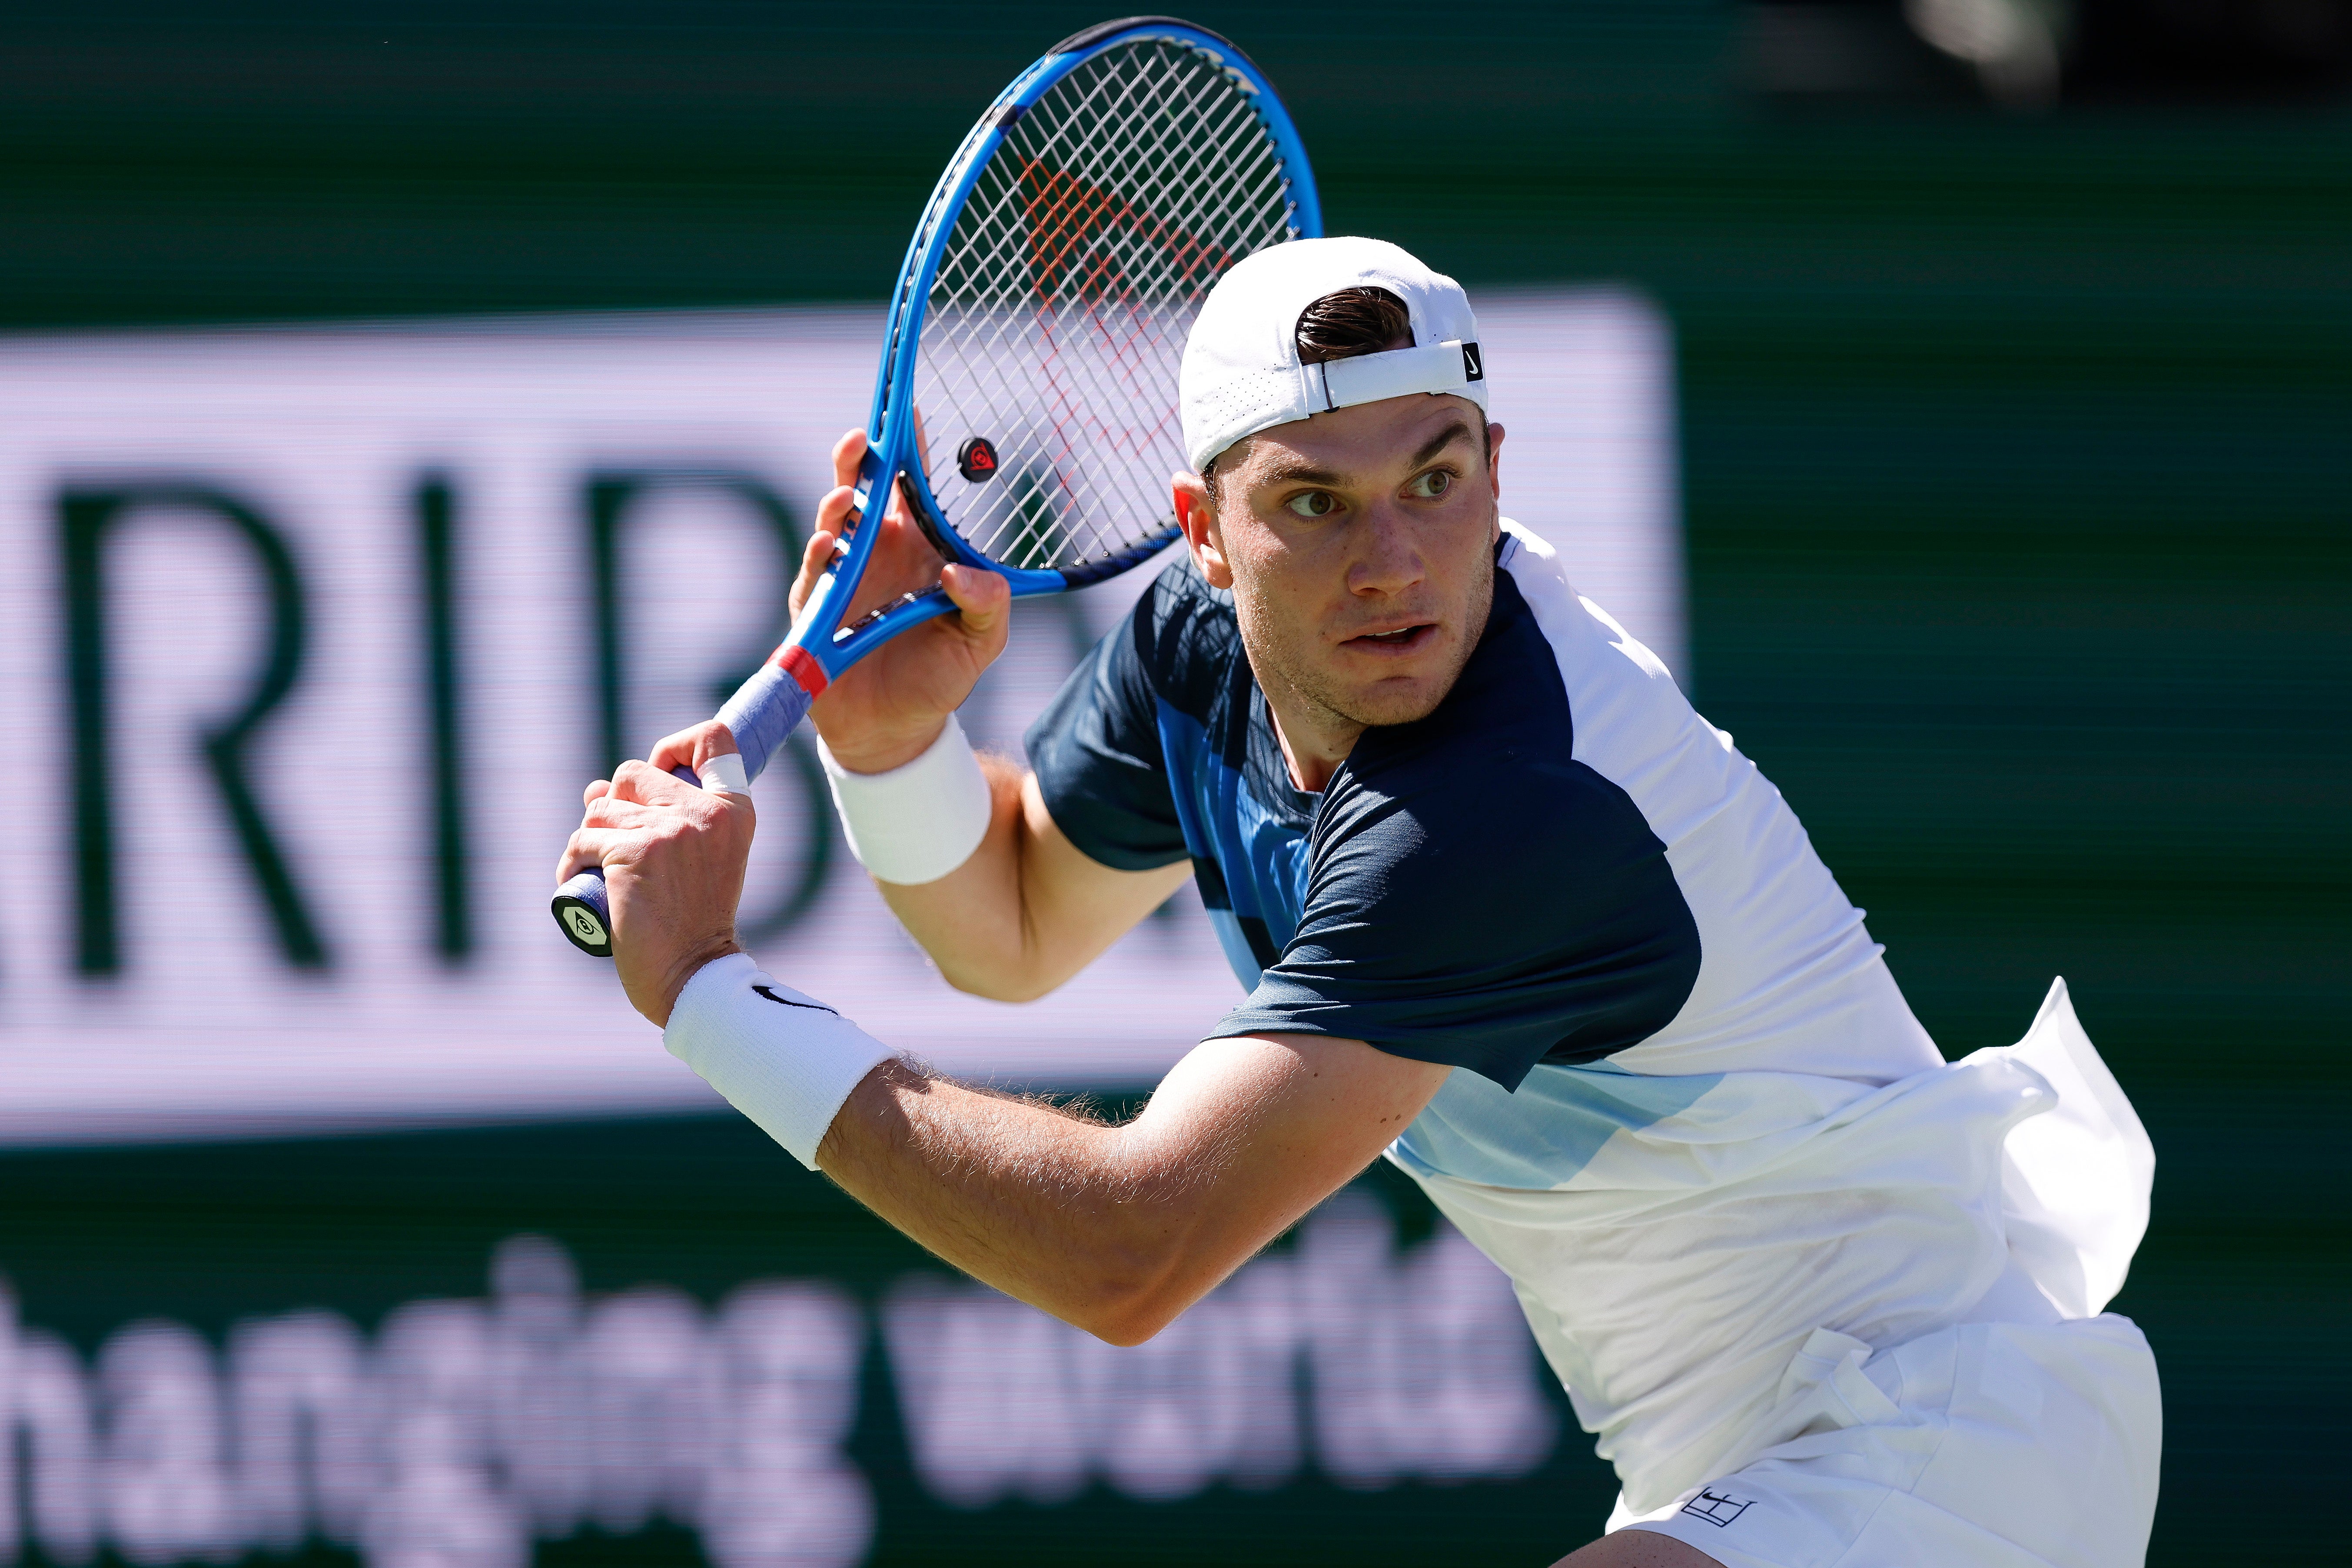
[{"x": 1998, "y": 1446}]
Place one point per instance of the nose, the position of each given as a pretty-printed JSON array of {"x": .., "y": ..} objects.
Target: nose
[{"x": 1386, "y": 559}]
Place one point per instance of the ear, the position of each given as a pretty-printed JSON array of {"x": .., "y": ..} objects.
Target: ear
[
  {"x": 1196, "y": 514},
  {"x": 1495, "y": 471}
]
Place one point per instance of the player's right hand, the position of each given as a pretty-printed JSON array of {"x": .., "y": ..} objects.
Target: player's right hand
[
  {"x": 673, "y": 859},
  {"x": 888, "y": 708}
]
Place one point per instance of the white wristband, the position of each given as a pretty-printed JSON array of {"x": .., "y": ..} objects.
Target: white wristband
[
  {"x": 784, "y": 1059},
  {"x": 915, "y": 824}
]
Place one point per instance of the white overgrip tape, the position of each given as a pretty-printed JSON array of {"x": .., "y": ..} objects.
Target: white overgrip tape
[
  {"x": 917, "y": 823},
  {"x": 725, "y": 775},
  {"x": 783, "y": 1058}
]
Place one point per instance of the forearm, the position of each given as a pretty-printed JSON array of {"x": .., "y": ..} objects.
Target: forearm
[
  {"x": 1117, "y": 1230},
  {"x": 1111, "y": 1228},
  {"x": 1028, "y": 908},
  {"x": 973, "y": 921}
]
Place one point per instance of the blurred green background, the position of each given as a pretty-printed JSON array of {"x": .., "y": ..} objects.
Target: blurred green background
[{"x": 2018, "y": 466}]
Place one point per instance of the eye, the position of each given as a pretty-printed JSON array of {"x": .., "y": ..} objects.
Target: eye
[
  {"x": 1313, "y": 503},
  {"x": 1432, "y": 485}
]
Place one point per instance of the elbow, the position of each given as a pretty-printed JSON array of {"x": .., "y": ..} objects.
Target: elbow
[
  {"x": 1129, "y": 1298},
  {"x": 1127, "y": 1336},
  {"x": 1130, "y": 1321},
  {"x": 998, "y": 982},
  {"x": 994, "y": 987}
]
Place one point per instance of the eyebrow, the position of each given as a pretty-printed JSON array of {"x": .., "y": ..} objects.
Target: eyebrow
[
  {"x": 1307, "y": 474},
  {"x": 1457, "y": 431},
  {"x": 1300, "y": 473}
]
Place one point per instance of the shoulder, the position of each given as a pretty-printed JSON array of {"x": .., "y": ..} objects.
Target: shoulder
[
  {"x": 1099, "y": 750},
  {"x": 1184, "y": 638},
  {"x": 1572, "y": 624},
  {"x": 1634, "y": 725}
]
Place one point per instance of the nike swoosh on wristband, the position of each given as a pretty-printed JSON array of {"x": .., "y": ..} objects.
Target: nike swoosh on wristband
[{"x": 788, "y": 1001}]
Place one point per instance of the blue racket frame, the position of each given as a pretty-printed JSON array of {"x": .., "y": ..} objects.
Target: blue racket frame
[
  {"x": 773, "y": 703},
  {"x": 891, "y": 448}
]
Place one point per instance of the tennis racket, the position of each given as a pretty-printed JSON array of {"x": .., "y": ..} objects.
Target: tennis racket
[{"x": 1026, "y": 400}]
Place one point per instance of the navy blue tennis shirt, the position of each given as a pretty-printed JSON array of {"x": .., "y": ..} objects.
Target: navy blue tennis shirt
[{"x": 1409, "y": 905}]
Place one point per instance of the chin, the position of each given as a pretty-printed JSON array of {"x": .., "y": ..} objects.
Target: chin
[{"x": 1416, "y": 701}]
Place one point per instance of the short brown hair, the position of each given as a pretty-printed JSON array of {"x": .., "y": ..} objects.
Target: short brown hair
[{"x": 1352, "y": 321}]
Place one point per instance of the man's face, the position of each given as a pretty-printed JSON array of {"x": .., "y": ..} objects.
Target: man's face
[{"x": 1359, "y": 548}]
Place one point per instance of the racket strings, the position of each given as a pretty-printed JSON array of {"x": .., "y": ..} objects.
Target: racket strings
[
  {"x": 1124, "y": 332},
  {"x": 1058, "y": 313},
  {"x": 1099, "y": 211},
  {"x": 1043, "y": 220},
  {"x": 1047, "y": 250}
]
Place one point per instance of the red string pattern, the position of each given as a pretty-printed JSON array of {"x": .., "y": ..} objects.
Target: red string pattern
[{"x": 1070, "y": 280}]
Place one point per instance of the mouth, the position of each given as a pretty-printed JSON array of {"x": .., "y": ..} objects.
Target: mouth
[{"x": 1395, "y": 640}]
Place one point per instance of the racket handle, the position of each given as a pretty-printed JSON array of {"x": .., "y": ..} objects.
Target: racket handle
[
  {"x": 583, "y": 910},
  {"x": 766, "y": 709},
  {"x": 762, "y": 716}
]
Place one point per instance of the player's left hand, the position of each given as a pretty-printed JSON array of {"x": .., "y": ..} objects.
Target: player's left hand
[
  {"x": 673, "y": 857},
  {"x": 890, "y": 706}
]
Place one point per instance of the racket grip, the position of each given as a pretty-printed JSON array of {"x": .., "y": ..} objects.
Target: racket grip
[
  {"x": 583, "y": 909},
  {"x": 766, "y": 709},
  {"x": 762, "y": 715}
]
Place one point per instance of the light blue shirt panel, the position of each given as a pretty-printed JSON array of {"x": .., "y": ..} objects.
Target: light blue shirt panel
[
  {"x": 1264, "y": 859},
  {"x": 1538, "y": 1137}
]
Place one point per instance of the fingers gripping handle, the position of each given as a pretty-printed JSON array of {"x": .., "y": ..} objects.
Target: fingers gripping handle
[
  {"x": 762, "y": 716},
  {"x": 582, "y": 908}
]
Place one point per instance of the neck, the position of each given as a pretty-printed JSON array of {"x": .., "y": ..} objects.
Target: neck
[{"x": 1315, "y": 740}]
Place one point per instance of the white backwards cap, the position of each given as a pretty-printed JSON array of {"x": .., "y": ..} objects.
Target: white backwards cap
[{"x": 1241, "y": 372}]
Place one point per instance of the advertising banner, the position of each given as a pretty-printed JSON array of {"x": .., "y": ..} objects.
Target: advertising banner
[{"x": 311, "y": 636}]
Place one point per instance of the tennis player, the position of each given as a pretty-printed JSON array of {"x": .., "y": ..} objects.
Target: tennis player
[{"x": 1508, "y": 910}]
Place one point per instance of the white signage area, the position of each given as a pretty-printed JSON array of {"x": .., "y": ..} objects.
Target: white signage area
[{"x": 309, "y": 637}]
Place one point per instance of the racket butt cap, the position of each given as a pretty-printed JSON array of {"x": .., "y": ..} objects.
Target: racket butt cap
[{"x": 582, "y": 914}]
